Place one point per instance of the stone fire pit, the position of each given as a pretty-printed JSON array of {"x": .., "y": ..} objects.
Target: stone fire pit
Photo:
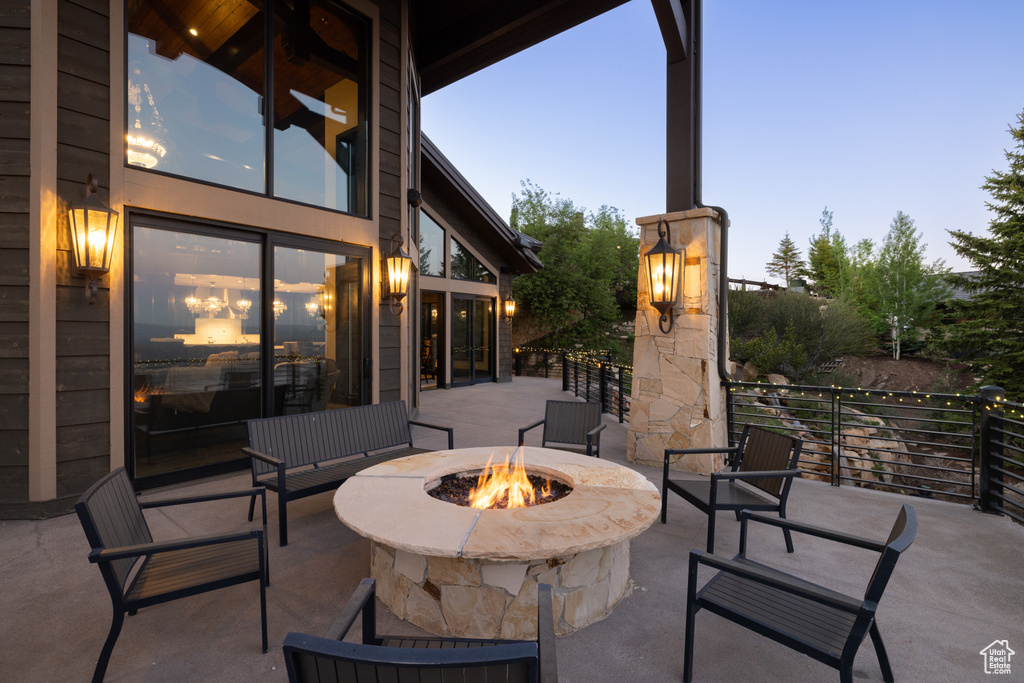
[{"x": 464, "y": 572}]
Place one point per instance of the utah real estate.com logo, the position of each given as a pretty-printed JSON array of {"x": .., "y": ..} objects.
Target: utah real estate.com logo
[{"x": 997, "y": 657}]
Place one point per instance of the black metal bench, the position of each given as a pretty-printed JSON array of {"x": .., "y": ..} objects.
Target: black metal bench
[
  {"x": 821, "y": 623},
  {"x": 401, "y": 658},
  {"x": 139, "y": 572},
  {"x": 302, "y": 455}
]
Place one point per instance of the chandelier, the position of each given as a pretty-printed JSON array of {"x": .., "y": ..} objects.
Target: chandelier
[{"x": 279, "y": 308}]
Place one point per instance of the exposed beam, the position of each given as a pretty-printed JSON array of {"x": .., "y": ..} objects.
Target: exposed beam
[{"x": 671, "y": 16}]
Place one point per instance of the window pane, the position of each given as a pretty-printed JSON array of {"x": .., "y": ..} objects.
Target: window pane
[
  {"x": 195, "y": 346},
  {"x": 431, "y": 246},
  {"x": 317, "y": 331},
  {"x": 465, "y": 266},
  {"x": 195, "y": 86},
  {"x": 320, "y": 95},
  {"x": 462, "y": 262}
]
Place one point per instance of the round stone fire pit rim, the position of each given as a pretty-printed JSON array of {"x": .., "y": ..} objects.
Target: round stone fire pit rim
[{"x": 388, "y": 503}]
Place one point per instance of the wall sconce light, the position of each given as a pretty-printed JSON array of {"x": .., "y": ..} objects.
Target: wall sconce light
[
  {"x": 509, "y": 309},
  {"x": 663, "y": 266},
  {"x": 397, "y": 271},
  {"x": 93, "y": 225}
]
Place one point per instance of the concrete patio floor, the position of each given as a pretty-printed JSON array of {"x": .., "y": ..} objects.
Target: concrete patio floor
[{"x": 956, "y": 590}]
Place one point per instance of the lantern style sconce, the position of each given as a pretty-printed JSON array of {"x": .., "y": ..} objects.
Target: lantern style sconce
[
  {"x": 397, "y": 269},
  {"x": 509, "y": 309},
  {"x": 93, "y": 225},
  {"x": 663, "y": 270}
]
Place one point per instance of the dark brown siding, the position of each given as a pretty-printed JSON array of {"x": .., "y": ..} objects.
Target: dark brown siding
[
  {"x": 390, "y": 188},
  {"x": 14, "y": 251},
  {"x": 83, "y": 331}
]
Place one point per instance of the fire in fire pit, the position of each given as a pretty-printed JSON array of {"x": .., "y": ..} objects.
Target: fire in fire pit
[{"x": 500, "y": 485}]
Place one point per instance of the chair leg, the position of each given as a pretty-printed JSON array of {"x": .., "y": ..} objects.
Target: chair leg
[
  {"x": 282, "y": 520},
  {"x": 664, "y": 504},
  {"x": 846, "y": 672},
  {"x": 108, "y": 646},
  {"x": 711, "y": 531},
  {"x": 691, "y": 612},
  {"x": 787, "y": 533},
  {"x": 883, "y": 658},
  {"x": 252, "y": 507}
]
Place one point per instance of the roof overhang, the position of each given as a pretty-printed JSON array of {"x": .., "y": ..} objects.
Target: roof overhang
[{"x": 455, "y": 38}]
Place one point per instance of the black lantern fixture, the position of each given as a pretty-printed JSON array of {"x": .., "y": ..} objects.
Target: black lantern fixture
[
  {"x": 397, "y": 272},
  {"x": 510, "y": 308},
  {"x": 93, "y": 225},
  {"x": 663, "y": 276}
]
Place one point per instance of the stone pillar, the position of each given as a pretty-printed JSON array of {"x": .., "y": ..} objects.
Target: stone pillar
[{"x": 678, "y": 400}]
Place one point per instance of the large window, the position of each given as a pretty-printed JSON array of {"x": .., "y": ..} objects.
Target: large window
[
  {"x": 197, "y": 97},
  {"x": 213, "y": 343}
]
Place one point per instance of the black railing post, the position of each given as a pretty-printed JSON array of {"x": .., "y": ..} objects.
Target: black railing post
[
  {"x": 991, "y": 479},
  {"x": 602, "y": 390},
  {"x": 730, "y": 417},
  {"x": 565, "y": 372},
  {"x": 620, "y": 373},
  {"x": 837, "y": 434},
  {"x": 519, "y": 362}
]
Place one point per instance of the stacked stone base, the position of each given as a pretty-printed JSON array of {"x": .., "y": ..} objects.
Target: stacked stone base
[{"x": 469, "y": 598}]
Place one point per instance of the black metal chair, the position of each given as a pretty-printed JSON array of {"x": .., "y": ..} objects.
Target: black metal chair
[
  {"x": 122, "y": 543},
  {"x": 570, "y": 422},
  {"x": 387, "y": 658},
  {"x": 821, "y": 623},
  {"x": 764, "y": 460}
]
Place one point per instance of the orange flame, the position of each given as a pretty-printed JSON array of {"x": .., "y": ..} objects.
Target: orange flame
[
  {"x": 504, "y": 480},
  {"x": 143, "y": 393}
]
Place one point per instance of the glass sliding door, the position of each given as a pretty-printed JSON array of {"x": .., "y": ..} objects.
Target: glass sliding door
[
  {"x": 431, "y": 340},
  {"x": 195, "y": 344},
  {"x": 472, "y": 340},
  {"x": 318, "y": 338},
  {"x": 214, "y": 343}
]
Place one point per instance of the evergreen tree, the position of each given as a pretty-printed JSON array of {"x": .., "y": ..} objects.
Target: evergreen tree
[
  {"x": 827, "y": 258},
  {"x": 906, "y": 290},
  {"x": 786, "y": 263},
  {"x": 989, "y": 325}
]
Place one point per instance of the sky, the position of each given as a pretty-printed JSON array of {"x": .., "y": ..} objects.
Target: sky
[{"x": 868, "y": 108}]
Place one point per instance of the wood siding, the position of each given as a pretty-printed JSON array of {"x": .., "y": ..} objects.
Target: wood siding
[
  {"x": 15, "y": 89},
  {"x": 83, "y": 330},
  {"x": 390, "y": 189}
]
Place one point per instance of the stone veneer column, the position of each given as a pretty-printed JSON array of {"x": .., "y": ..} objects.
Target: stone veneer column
[{"x": 678, "y": 400}]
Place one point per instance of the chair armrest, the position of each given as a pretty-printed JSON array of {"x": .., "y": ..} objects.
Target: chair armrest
[
  {"x": 767, "y": 474},
  {"x": 451, "y": 431},
  {"x": 245, "y": 493},
  {"x": 522, "y": 432},
  {"x": 778, "y": 580},
  {"x": 361, "y": 600},
  {"x": 596, "y": 430},
  {"x": 810, "y": 530},
  {"x": 546, "y": 636},
  {"x": 138, "y": 550},
  {"x": 696, "y": 451},
  {"x": 276, "y": 462}
]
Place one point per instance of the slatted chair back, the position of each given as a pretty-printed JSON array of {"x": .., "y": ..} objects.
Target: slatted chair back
[
  {"x": 111, "y": 516},
  {"x": 315, "y": 437},
  {"x": 569, "y": 421},
  {"x": 903, "y": 533},
  {"x": 310, "y": 659},
  {"x": 762, "y": 450}
]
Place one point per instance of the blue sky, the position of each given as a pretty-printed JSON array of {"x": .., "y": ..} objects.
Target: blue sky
[{"x": 869, "y": 108}]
